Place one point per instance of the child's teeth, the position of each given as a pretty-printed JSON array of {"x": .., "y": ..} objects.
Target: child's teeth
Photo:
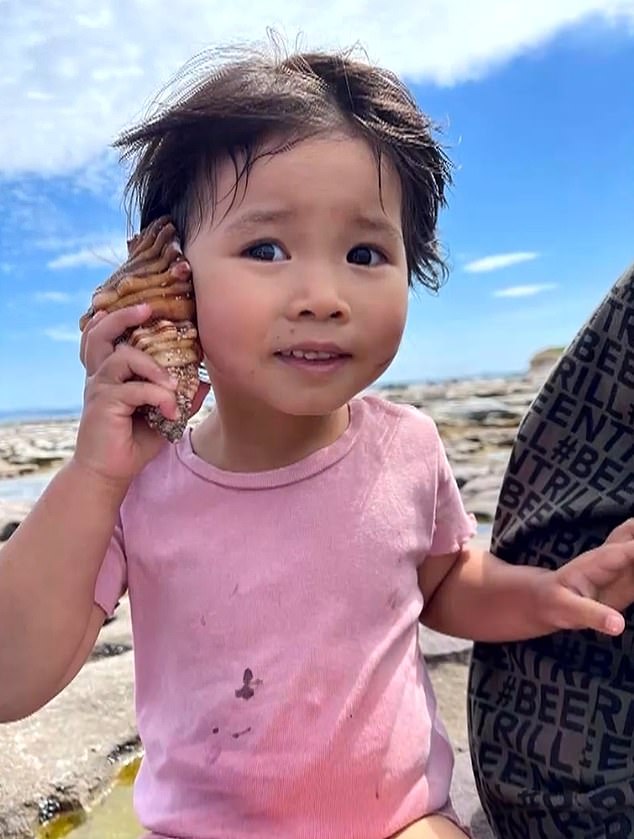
[{"x": 310, "y": 355}]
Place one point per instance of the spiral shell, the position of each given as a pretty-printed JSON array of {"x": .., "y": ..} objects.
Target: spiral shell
[{"x": 156, "y": 272}]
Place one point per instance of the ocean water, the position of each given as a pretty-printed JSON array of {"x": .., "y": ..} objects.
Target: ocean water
[
  {"x": 26, "y": 487},
  {"x": 39, "y": 415}
]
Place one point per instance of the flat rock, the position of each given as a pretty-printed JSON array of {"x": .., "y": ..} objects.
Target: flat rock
[
  {"x": 482, "y": 504},
  {"x": 436, "y": 646},
  {"x": 475, "y": 410},
  {"x": 465, "y": 798},
  {"x": 11, "y": 514},
  {"x": 65, "y": 755},
  {"x": 466, "y": 473}
]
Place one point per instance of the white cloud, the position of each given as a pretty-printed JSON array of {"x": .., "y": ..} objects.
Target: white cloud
[
  {"x": 71, "y": 80},
  {"x": 53, "y": 297},
  {"x": 106, "y": 256},
  {"x": 524, "y": 290},
  {"x": 499, "y": 260},
  {"x": 63, "y": 333},
  {"x": 26, "y": 206},
  {"x": 102, "y": 176},
  {"x": 101, "y": 239}
]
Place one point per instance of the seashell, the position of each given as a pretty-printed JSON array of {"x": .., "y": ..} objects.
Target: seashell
[{"x": 156, "y": 272}]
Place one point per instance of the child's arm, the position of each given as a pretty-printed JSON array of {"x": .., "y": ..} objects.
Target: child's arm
[
  {"x": 49, "y": 567},
  {"x": 48, "y": 570},
  {"x": 473, "y": 594}
]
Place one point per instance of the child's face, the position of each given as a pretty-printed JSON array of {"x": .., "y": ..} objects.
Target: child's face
[{"x": 309, "y": 258}]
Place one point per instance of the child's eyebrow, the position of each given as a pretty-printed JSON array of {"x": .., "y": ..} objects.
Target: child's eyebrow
[
  {"x": 377, "y": 224},
  {"x": 258, "y": 218}
]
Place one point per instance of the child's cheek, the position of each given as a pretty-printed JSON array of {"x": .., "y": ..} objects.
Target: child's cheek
[
  {"x": 217, "y": 337},
  {"x": 391, "y": 326},
  {"x": 230, "y": 341}
]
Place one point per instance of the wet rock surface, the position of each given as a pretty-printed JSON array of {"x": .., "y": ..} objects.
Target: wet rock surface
[{"x": 64, "y": 757}]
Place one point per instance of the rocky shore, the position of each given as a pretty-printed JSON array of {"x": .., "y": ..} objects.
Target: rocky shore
[
  {"x": 477, "y": 418},
  {"x": 59, "y": 762}
]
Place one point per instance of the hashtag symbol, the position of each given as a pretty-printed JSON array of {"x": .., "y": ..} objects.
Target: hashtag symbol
[
  {"x": 508, "y": 689},
  {"x": 563, "y": 450}
]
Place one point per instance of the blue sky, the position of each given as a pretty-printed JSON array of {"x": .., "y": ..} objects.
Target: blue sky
[{"x": 538, "y": 117}]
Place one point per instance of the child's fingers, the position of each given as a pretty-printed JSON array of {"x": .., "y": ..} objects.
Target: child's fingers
[
  {"x": 127, "y": 363},
  {"x": 132, "y": 395},
  {"x": 578, "y": 612},
  {"x": 602, "y": 565},
  {"x": 94, "y": 320},
  {"x": 623, "y": 533},
  {"x": 102, "y": 331}
]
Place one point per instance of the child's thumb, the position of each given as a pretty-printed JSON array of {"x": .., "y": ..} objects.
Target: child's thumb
[{"x": 623, "y": 533}]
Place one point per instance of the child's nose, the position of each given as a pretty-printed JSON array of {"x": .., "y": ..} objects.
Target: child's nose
[{"x": 319, "y": 301}]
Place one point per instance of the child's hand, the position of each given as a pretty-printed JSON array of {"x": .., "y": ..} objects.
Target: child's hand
[
  {"x": 589, "y": 591},
  {"x": 620, "y": 593},
  {"x": 111, "y": 442}
]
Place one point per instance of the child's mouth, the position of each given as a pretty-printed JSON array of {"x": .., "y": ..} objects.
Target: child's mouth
[
  {"x": 311, "y": 359},
  {"x": 310, "y": 355}
]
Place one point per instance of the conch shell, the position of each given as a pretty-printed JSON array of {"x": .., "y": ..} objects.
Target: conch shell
[{"x": 156, "y": 272}]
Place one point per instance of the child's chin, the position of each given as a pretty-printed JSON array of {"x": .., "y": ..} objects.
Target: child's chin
[{"x": 313, "y": 406}]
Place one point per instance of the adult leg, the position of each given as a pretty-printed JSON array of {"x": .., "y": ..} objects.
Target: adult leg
[{"x": 546, "y": 715}]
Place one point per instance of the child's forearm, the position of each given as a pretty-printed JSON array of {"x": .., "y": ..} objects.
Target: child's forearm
[
  {"x": 48, "y": 571},
  {"x": 485, "y": 599}
]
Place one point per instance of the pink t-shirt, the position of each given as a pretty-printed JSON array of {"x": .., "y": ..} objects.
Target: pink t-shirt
[{"x": 280, "y": 690}]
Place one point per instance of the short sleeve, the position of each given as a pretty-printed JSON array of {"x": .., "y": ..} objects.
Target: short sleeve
[
  {"x": 453, "y": 526},
  {"x": 111, "y": 581}
]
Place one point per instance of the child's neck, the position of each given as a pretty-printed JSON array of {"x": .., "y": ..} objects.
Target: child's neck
[{"x": 252, "y": 440}]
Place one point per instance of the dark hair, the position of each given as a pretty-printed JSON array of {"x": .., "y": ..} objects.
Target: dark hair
[{"x": 254, "y": 96}]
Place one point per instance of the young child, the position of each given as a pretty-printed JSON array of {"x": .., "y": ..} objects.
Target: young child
[{"x": 279, "y": 557}]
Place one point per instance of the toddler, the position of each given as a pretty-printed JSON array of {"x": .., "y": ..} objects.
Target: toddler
[{"x": 279, "y": 557}]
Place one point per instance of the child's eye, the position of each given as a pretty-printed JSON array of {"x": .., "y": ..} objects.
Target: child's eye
[
  {"x": 365, "y": 255},
  {"x": 265, "y": 252}
]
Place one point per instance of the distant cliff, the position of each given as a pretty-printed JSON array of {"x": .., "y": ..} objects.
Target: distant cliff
[{"x": 542, "y": 361}]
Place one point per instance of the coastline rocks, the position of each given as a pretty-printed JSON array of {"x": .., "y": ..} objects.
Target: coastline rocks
[
  {"x": 11, "y": 514},
  {"x": 477, "y": 410},
  {"x": 477, "y": 419},
  {"x": 27, "y": 447}
]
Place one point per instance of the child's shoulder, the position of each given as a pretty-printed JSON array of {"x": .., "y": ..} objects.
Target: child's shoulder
[
  {"x": 163, "y": 471},
  {"x": 399, "y": 411},
  {"x": 408, "y": 419}
]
